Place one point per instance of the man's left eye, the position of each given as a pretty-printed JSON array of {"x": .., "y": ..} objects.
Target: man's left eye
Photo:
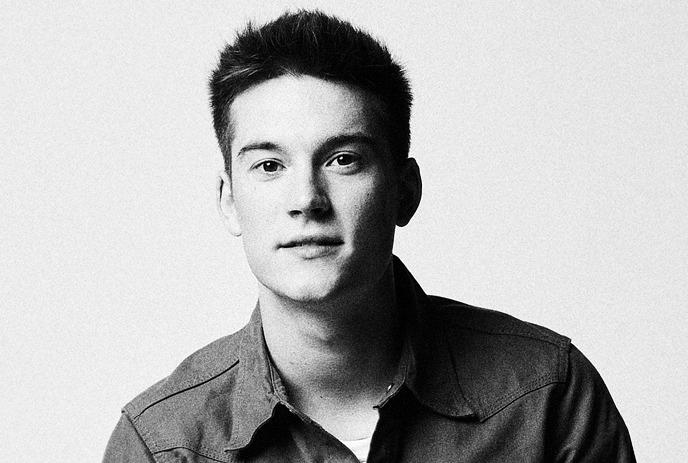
[{"x": 343, "y": 159}]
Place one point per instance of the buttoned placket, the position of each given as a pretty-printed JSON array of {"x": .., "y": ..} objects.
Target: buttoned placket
[{"x": 280, "y": 392}]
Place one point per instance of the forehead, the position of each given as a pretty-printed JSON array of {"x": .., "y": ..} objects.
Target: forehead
[{"x": 303, "y": 109}]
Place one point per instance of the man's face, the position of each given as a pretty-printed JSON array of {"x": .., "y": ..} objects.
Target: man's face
[{"x": 314, "y": 193}]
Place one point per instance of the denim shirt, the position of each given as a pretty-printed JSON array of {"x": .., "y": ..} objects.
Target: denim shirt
[{"x": 473, "y": 385}]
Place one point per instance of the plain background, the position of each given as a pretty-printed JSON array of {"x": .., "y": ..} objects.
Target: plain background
[{"x": 553, "y": 140}]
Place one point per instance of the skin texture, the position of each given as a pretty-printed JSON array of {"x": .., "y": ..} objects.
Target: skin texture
[
  {"x": 310, "y": 162},
  {"x": 316, "y": 198}
]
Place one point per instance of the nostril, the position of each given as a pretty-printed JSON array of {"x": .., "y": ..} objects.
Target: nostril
[
  {"x": 308, "y": 194},
  {"x": 315, "y": 206}
]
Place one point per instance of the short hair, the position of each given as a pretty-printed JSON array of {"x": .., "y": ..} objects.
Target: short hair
[{"x": 315, "y": 44}]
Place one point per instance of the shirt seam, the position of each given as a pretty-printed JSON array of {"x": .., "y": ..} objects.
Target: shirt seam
[
  {"x": 187, "y": 385},
  {"x": 142, "y": 433},
  {"x": 201, "y": 451},
  {"x": 145, "y": 434},
  {"x": 531, "y": 386},
  {"x": 550, "y": 338},
  {"x": 559, "y": 343}
]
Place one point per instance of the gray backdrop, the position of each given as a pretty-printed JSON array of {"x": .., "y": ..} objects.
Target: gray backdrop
[{"x": 553, "y": 140}]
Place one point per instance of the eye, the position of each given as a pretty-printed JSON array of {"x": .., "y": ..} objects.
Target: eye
[
  {"x": 344, "y": 160},
  {"x": 269, "y": 166}
]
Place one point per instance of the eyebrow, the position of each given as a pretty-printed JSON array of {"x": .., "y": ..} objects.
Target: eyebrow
[
  {"x": 327, "y": 145},
  {"x": 261, "y": 145},
  {"x": 348, "y": 139}
]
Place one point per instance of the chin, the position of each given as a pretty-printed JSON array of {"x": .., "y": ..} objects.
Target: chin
[
  {"x": 312, "y": 291},
  {"x": 307, "y": 287}
]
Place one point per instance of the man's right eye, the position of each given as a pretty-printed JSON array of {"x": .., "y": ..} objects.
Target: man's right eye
[{"x": 269, "y": 166}]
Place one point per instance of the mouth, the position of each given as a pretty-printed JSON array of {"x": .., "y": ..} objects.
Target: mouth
[
  {"x": 312, "y": 241},
  {"x": 311, "y": 247}
]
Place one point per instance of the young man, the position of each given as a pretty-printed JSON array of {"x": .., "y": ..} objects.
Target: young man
[{"x": 345, "y": 358}]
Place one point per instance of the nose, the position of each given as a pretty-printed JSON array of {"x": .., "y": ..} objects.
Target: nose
[{"x": 308, "y": 196}]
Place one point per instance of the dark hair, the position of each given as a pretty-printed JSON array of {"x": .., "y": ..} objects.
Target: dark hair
[{"x": 315, "y": 44}]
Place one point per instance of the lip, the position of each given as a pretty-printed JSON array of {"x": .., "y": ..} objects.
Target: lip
[
  {"x": 312, "y": 246},
  {"x": 312, "y": 240}
]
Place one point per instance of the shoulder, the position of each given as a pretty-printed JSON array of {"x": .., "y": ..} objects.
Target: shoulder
[
  {"x": 191, "y": 408},
  {"x": 510, "y": 369},
  {"x": 499, "y": 358},
  {"x": 487, "y": 323},
  {"x": 201, "y": 367}
]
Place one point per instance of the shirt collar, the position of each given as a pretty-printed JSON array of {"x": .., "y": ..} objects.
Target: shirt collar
[
  {"x": 423, "y": 367},
  {"x": 427, "y": 366},
  {"x": 256, "y": 385}
]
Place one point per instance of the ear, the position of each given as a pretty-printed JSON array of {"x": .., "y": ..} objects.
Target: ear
[
  {"x": 410, "y": 189},
  {"x": 225, "y": 204}
]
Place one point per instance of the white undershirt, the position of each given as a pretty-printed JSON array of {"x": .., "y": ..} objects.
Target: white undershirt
[{"x": 359, "y": 447}]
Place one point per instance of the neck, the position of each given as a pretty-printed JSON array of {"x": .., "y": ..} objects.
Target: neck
[{"x": 335, "y": 355}]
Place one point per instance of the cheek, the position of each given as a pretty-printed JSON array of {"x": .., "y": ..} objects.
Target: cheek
[
  {"x": 375, "y": 211},
  {"x": 252, "y": 208}
]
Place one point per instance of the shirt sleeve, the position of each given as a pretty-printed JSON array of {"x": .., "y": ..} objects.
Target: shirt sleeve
[
  {"x": 589, "y": 428},
  {"x": 126, "y": 445}
]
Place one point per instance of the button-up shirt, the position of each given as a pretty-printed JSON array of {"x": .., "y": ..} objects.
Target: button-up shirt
[{"x": 473, "y": 385}]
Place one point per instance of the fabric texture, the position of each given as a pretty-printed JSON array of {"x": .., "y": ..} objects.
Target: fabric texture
[{"x": 473, "y": 385}]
